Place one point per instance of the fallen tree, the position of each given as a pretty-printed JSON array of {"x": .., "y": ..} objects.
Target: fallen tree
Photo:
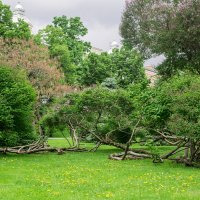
[
  {"x": 165, "y": 115},
  {"x": 39, "y": 146}
]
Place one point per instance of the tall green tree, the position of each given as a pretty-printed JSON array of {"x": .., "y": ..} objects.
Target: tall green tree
[
  {"x": 64, "y": 36},
  {"x": 122, "y": 67},
  {"x": 95, "y": 69},
  {"x": 165, "y": 27},
  {"x": 68, "y": 32},
  {"x": 127, "y": 66}
]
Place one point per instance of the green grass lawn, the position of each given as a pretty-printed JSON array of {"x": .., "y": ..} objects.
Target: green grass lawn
[{"x": 93, "y": 176}]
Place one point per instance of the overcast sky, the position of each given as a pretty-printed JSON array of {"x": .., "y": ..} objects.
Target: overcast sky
[{"x": 101, "y": 17}]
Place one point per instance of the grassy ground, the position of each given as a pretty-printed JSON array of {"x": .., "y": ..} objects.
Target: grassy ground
[{"x": 85, "y": 176}]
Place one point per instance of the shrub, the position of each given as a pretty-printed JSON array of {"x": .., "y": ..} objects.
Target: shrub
[{"x": 17, "y": 98}]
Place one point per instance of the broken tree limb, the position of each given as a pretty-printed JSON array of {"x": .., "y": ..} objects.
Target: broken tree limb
[
  {"x": 130, "y": 140},
  {"x": 94, "y": 149},
  {"x": 166, "y": 156},
  {"x": 129, "y": 155}
]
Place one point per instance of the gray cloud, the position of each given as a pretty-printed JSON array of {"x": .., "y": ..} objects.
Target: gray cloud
[{"x": 101, "y": 17}]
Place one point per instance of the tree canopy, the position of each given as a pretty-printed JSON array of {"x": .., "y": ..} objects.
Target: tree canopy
[
  {"x": 68, "y": 32},
  {"x": 42, "y": 71},
  {"x": 64, "y": 40},
  {"x": 164, "y": 27},
  {"x": 122, "y": 67}
]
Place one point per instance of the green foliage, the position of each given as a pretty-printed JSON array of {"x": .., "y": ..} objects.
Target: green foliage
[
  {"x": 73, "y": 29},
  {"x": 63, "y": 38},
  {"x": 5, "y": 19},
  {"x": 110, "y": 83},
  {"x": 165, "y": 27},
  {"x": 9, "y": 29},
  {"x": 17, "y": 99},
  {"x": 184, "y": 94},
  {"x": 62, "y": 53},
  {"x": 99, "y": 113},
  {"x": 95, "y": 69},
  {"x": 21, "y": 30},
  {"x": 127, "y": 66},
  {"x": 122, "y": 67},
  {"x": 66, "y": 31},
  {"x": 175, "y": 106}
]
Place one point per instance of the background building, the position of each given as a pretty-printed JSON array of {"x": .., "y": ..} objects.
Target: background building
[
  {"x": 96, "y": 50},
  {"x": 19, "y": 14}
]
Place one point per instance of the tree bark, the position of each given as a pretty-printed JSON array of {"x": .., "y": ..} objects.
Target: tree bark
[{"x": 130, "y": 140}]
